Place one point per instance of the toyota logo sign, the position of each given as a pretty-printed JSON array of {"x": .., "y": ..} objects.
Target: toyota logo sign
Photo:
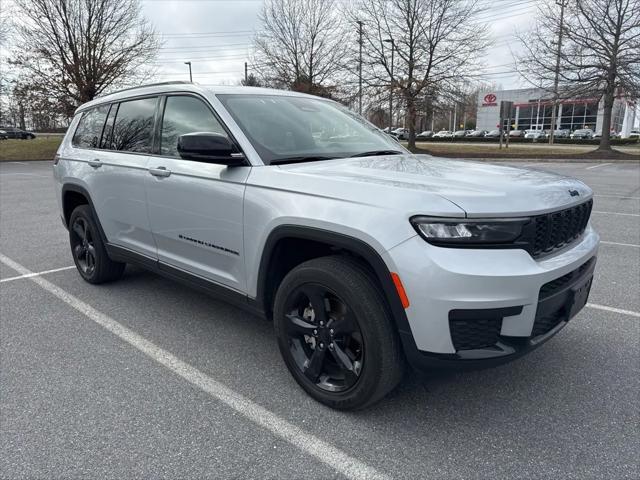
[{"x": 490, "y": 100}]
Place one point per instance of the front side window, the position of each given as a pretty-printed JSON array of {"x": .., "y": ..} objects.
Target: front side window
[
  {"x": 89, "y": 129},
  {"x": 133, "y": 127},
  {"x": 290, "y": 128},
  {"x": 185, "y": 114}
]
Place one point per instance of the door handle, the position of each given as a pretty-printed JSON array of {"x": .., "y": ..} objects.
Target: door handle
[
  {"x": 95, "y": 163},
  {"x": 160, "y": 172}
]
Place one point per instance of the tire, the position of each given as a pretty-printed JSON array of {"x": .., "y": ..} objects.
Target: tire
[
  {"x": 89, "y": 254},
  {"x": 352, "y": 303}
]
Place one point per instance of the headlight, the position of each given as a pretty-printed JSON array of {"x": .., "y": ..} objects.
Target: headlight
[{"x": 464, "y": 231}]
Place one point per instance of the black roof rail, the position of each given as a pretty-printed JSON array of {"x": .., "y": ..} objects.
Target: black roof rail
[{"x": 178, "y": 82}]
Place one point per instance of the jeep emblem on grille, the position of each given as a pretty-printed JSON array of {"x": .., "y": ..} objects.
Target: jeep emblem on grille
[{"x": 574, "y": 193}]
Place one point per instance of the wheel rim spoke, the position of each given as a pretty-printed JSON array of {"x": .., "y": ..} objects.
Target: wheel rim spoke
[
  {"x": 344, "y": 324},
  {"x": 313, "y": 367},
  {"x": 342, "y": 358},
  {"x": 300, "y": 325},
  {"x": 91, "y": 257},
  {"x": 318, "y": 299},
  {"x": 79, "y": 229}
]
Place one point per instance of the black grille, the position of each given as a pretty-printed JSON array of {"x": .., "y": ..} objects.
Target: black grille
[
  {"x": 474, "y": 334},
  {"x": 546, "y": 323},
  {"x": 557, "y": 229},
  {"x": 548, "y": 289}
]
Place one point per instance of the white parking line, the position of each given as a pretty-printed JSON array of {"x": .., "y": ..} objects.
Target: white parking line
[
  {"x": 598, "y": 166},
  {"x": 614, "y": 310},
  {"x": 618, "y": 213},
  {"x": 324, "y": 452},
  {"x": 35, "y": 274},
  {"x": 23, "y": 174},
  {"x": 620, "y": 244},
  {"x": 617, "y": 196}
]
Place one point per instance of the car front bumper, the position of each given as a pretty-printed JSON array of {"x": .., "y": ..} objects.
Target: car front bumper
[{"x": 476, "y": 307}]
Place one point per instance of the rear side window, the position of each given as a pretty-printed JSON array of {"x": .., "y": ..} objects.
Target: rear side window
[
  {"x": 185, "y": 114},
  {"x": 89, "y": 129},
  {"x": 133, "y": 127},
  {"x": 107, "y": 132}
]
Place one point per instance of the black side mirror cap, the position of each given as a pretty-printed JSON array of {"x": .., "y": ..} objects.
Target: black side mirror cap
[{"x": 210, "y": 147}]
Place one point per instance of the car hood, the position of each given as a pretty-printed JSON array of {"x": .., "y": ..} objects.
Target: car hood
[{"x": 480, "y": 189}]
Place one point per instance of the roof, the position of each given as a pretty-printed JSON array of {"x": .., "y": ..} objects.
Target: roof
[{"x": 165, "y": 87}]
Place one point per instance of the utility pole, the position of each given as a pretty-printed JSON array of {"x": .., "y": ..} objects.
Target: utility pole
[
  {"x": 455, "y": 117},
  {"x": 246, "y": 73},
  {"x": 556, "y": 82},
  {"x": 190, "y": 76},
  {"x": 360, "y": 23},
  {"x": 393, "y": 48}
]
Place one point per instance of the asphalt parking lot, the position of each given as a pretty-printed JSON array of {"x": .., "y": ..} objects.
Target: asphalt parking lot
[{"x": 145, "y": 377}]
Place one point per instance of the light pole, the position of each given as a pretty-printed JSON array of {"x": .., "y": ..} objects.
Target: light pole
[
  {"x": 190, "y": 77},
  {"x": 393, "y": 47},
  {"x": 556, "y": 81},
  {"x": 360, "y": 23}
]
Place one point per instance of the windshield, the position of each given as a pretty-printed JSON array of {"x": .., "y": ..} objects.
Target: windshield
[{"x": 286, "y": 128}]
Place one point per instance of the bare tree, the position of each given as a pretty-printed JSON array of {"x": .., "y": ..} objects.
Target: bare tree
[
  {"x": 299, "y": 46},
  {"x": 78, "y": 49},
  {"x": 600, "y": 54},
  {"x": 436, "y": 47}
]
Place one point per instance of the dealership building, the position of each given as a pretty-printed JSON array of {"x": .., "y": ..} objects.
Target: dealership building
[{"x": 532, "y": 109}]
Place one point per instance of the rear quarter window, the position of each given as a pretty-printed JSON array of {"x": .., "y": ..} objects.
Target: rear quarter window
[{"x": 90, "y": 126}]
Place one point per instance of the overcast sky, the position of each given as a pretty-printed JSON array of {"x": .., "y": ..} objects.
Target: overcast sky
[{"x": 215, "y": 35}]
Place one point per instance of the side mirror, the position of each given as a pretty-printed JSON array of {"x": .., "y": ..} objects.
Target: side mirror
[{"x": 209, "y": 147}]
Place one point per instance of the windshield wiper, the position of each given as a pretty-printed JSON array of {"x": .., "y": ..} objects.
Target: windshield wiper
[
  {"x": 308, "y": 158},
  {"x": 373, "y": 153}
]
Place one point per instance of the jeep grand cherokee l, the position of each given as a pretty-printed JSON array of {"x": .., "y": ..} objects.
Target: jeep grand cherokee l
[{"x": 365, "y": 257}]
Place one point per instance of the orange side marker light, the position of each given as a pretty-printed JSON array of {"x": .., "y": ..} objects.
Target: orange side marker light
[{"x": 400, "y": 289}]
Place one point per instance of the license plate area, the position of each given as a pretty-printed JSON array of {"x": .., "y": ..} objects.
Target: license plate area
[{"x": 580, "y": 295}]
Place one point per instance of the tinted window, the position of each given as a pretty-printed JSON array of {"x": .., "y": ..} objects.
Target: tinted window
[
  {"x": 107, "y": 133},
  {"x": 133, "y": 128},
  {"x": 184, "y": 114},
  {"x": 90, "y": 128}
]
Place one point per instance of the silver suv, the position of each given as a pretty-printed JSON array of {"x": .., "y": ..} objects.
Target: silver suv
[{"x": 365, "y": 257}]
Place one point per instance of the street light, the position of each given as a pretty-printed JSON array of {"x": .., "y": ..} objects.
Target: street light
[
  {"x": 393, "y": 47},
  {"x": 190, "y": 77}
]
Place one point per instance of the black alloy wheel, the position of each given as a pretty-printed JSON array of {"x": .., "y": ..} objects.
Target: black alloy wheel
[
  {"x": 324, "y": 338},
  {"x": 335, "y": 333},
  {"x": 88, "y": 250},
  {"x": 82, "y": 244}
]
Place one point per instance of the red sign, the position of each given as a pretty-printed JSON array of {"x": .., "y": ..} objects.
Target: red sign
[{"x": 490, "y": 100}]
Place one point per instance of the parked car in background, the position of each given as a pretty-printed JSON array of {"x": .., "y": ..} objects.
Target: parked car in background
[
  {"x": 535, "y": 134},
  {"x": 3, "y": 135},
  {"x": 477, "y": 133},
  {"x": 561, "y": 133},
  {"x": 443, "y": 134},
  {"x": 583, "y": 134},
  {"x": 14, "y": 132},
  {"x": 634, "y": 134},
  {"x": 516, "y": 133},
  {"x": 401, "y": 133},
  {"x": 460, "y": 133},
  {"x": 492, "y": 134},
  {"x": 424, "y": 135}
]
